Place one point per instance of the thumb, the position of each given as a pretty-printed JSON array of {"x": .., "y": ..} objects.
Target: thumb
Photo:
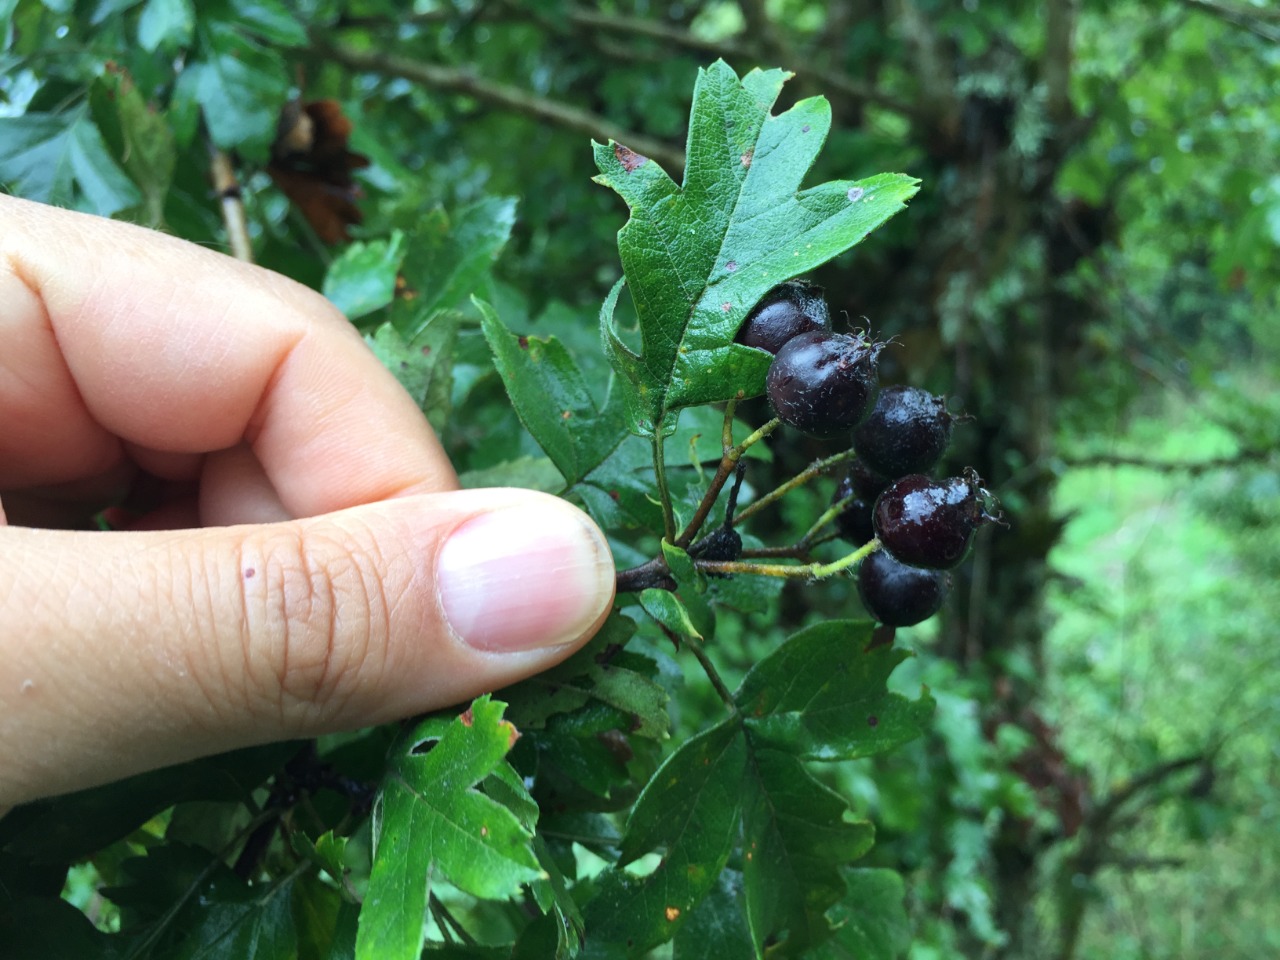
[{"x": 125, "y": 651}]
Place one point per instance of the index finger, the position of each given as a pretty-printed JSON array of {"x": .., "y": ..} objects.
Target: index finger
[{"x": 113, "y": 335}]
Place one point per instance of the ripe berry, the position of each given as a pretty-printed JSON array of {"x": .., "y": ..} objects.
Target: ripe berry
[
  {"x": 854, "y": 521},
  {"x": 907, "y": 431},
  {"x": 786, "y": 311},
  {"x": 822, "y": 383},
  {"x": 899, "y": 595},
  {"x": 865, "y": 482},
  {"x": 930, "y": 523}
]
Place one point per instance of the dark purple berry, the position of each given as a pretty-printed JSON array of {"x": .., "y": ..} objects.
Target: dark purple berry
[
  {"x": 907, "y": 431},
  {"x": 930, "y": 523},
  {"x": 854, "y": 521},
  {"x": 865, "y": 482},
  {"x": 899, "y": 595},
  {"x": 822, "y": 383},
  {"x": 786, "y": 311}
]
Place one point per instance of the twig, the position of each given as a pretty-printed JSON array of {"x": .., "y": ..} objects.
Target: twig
[
  {"x": 830, "y": 82},
  {"x": 227, "y": 188},
  {"x": 801, "y": 478},
  {"x": 653, "y": 574},
  {"x": 1108, "y": 808},
  {"x": 808, "y": 571},
  {"x": 501, "y": 95},
  {"x": 1194, "y": 467},
  {"x": 1255, "y": 20},
  {"x": 728, "y": 462}
]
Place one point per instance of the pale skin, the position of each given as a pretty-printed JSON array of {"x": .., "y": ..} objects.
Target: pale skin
[{"x": 283, "y": 571}]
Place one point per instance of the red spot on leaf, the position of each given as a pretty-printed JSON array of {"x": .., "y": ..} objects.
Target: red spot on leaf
[
  {"x": 613, "y": 495},
  {"x": 467, "y": 717},
  {"x": 630, "y": 160},
  {"x": 731, "y": 266},
  {"x": 524, "y": 342},
  {"x": 746, "y": 158},
  {"x": 512, "y": 733}
]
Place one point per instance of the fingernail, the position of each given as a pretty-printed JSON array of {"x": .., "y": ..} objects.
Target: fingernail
[{"x": 524, "y": 578}]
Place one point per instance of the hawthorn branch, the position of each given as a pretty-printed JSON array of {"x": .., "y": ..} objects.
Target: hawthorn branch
[
  {"x": 1257, "y": 20},
  {"x": 501, "y": 95},
  {"x": 1055, "y": 68},
  {"x": 831, "y": 82},
  {"x": 1106, "y": 811},
  {"x": 1192, "y": 467}
]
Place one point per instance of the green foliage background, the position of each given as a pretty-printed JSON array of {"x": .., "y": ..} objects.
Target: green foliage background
[{"x": 1090, "y": 268}]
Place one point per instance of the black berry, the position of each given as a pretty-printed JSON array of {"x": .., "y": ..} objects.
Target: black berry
[
  {"x": 786, "y": 311},
  {"x": 865, "y": 482},
  {"x": 899, "y": 595},
  {"x": 907, "y": 431},
  {"x": 854, "y": 521},
  {"x": 822, "y": 383},
  {"x": 930, "y": 523}
]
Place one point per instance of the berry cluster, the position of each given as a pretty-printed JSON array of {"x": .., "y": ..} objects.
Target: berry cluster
[{"x": 825, "y": 384}]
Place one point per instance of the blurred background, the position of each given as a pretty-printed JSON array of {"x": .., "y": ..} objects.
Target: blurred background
[{"x": 1090, "y": 269}]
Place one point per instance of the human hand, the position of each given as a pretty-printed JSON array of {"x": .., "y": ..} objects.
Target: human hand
[{"x": 300, "y": 559}]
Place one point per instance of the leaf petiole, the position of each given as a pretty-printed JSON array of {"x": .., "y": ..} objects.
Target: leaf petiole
[
  {"x": 712, "y": 673},
  {"x": 664, "y": 492}
]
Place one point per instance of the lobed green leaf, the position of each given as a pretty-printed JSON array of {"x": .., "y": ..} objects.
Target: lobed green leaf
[
  {"x": 871, "y": 921},
  {"x": 696, "y": 258},
  {"x": 552, "y": 400},
  {"x": 822, "y": 695},
  {"x": 796, "y": 833},
  {"x": 430, "y": 820},
  {"x": 690, "y": 807}
]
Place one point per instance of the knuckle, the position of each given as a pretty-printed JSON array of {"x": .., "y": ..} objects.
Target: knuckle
[{"x": 314, "y": 615}]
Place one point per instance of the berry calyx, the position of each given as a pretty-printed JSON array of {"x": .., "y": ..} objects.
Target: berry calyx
[
  {"x": 786, "y": 311},
  {"x": 822, "y": 383},
  {"x": 907, "y": 431},
  {"x": 930, "y": 523},
  {"x": 900, "y": 595},
  {"x": 722, "y": 543}
]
